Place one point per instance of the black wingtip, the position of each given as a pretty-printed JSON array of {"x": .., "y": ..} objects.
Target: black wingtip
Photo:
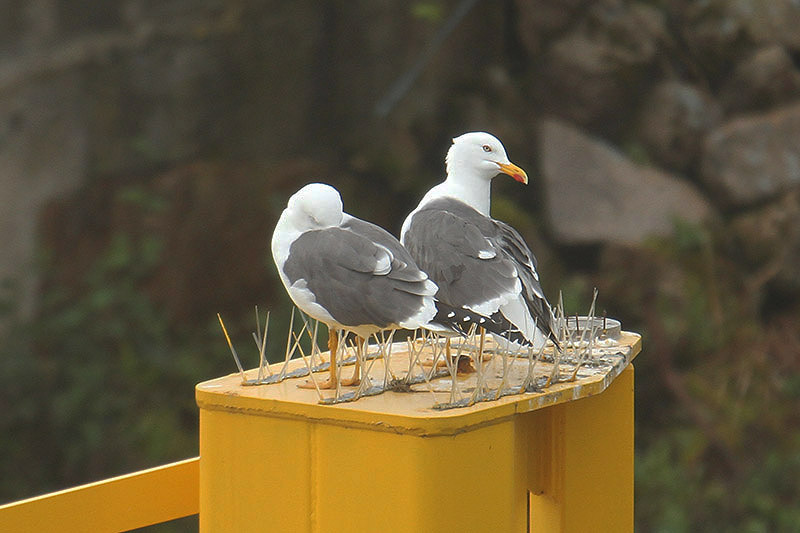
[
  {"x": 460, "y": 321},
  {"x": 552, "y": 336}
]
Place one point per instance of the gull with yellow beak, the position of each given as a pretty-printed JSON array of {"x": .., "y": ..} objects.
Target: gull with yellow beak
[{"x": 481, "y": 265}]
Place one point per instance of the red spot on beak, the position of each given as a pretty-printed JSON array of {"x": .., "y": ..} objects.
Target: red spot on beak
[{"x": 514, "y": 171}]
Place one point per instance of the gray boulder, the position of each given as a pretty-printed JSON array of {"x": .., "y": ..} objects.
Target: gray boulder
[
  {"x": 592, "y": 74},
  {"x": 750, "y": 159},
  {"x": 674, "y": 121},
  {"x": 766, "y": 78},
  {"x": 540, "y": 20},
  {"x": 596, "y": 194},
  {"x": 769, "y": 240},
  {"x": 769, "y": 21}
]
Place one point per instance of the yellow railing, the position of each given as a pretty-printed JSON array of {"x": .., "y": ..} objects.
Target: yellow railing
[{"x": 117, "y": 504}]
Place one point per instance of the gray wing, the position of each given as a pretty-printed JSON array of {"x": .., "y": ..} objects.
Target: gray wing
[
  {"x": 513, "y": 245},
  {"x": 357, "y": 281},
  {"x": 403, "y": 266},
  {"x": 459, "y": 259},
  {"x": 474, "y": 258}
]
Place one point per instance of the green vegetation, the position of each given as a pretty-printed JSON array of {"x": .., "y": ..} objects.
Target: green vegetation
[
  {"x": 716, "y": 389},
  {"x": 99, "y": 382}
]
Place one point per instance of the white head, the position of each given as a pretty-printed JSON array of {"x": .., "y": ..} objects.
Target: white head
[
  {"x": 482, "y": 155},
  {"x": 315, "y": 206}
]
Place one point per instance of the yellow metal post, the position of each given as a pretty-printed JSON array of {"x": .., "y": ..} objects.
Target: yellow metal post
[
  {"x": 272, "y": 459},
  {"x": 581, "y": 462}
]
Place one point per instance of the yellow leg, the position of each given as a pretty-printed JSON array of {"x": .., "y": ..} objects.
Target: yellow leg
[
  {"x": 356, "y": 379},
  {"x": 333, "y": 346},
  {"x": 463, "y": 365}
]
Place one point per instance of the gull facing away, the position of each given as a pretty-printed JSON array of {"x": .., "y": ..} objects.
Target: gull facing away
[
  {"x": 480, "y": 264},
  {"x": 347, "y": 273}
]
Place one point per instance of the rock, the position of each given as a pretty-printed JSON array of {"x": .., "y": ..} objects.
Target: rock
[
  {"x": 719, "y": 32},
  {"x": 769, "y": 239},
  {"x": 540, "y": 20},
  {"x": 595, "y": 194},
  {"x": 674, "y": 120},
  {"x": 765, "y": 78},
  {"x": 753, "y": 158},
  {"x": 713, "y": 35},
  {"x": 769, "y": 21},
  {"x": 592, "y": 74}
]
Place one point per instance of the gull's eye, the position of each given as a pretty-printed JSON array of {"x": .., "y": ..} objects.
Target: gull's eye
[{"x": 487, "y": 148}]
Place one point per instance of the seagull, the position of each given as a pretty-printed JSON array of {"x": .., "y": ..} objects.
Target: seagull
[
  {"x": 348, "y": 273},
  {"x": 480, "y": 264}
]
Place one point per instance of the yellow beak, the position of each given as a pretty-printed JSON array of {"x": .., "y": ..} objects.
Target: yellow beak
[{"x": 514, "y": 171}]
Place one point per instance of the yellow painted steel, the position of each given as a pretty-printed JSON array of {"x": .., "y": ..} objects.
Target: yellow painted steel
[
  {"x": 273, "y": 459},
  {"x": 118, "y": 504},
  {"x": 581, "y": 462}
]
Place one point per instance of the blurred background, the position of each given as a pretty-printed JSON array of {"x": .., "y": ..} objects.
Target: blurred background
[{"x": 147, "y": 148}]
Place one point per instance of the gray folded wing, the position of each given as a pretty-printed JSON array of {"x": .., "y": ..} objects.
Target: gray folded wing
[
  {"x": 356, "y": 280},
  {"x": 475, "y": 259}
]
